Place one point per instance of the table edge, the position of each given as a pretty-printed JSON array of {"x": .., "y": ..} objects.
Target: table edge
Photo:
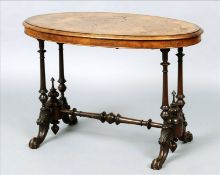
[
  {"x": 116, "y": 37},
  {"x": 113, "y": 43}
]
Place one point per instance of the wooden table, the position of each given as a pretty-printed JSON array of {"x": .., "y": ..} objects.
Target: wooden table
[{"x": 114, "y": 30}]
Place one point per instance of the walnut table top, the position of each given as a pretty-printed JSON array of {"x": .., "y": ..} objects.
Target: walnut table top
[{"x": 113, "y": 30}]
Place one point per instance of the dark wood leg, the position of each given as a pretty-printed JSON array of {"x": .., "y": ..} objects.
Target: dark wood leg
[
  {"x": 186, "y": 135},
  {"x": 166, "y": 140},
  {"x": 43, "y": 120},
  {"x": 68, "y": 119},
  {"x": 165, "y": 99}
]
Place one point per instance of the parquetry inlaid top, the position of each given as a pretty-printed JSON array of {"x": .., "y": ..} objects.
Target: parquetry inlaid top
[{"x": 113, "y": 30}]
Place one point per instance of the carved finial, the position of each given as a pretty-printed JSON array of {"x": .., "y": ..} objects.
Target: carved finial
[
  {"x": 52, "y": 80},
  {"x": 53, "y": 93},
  {"x": 173, "y": 107},
  {"x": 174, "y": 94}
]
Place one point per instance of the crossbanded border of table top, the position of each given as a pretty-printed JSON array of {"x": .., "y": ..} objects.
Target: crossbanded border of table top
[{"x": 88, "y": 29}]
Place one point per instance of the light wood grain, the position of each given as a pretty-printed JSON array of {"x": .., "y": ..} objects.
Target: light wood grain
[{"x": 116, "y": 29}]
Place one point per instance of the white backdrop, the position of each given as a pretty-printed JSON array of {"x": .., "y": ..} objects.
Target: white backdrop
[{"x": 122, "y": 81}]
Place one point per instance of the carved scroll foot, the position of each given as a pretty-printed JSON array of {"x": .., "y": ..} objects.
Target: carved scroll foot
[
  {"x": 43, "y": 129},
  {"x": 158, "y": 162},
  {"x": 187, "y": 137},
  {"x": 166, "y": 142}
]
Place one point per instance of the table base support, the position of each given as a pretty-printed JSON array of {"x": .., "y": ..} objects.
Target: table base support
[
  {"x": 172, "y": 129},
  {"x": 169, "y": 136}
]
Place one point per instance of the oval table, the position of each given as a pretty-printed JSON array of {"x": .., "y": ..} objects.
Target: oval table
[{"x": 114, "y": 30}]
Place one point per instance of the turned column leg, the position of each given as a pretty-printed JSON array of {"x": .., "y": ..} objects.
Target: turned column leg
[
  {"x": 62, "y": 86},
  {"x": 71, "y": 120},
  {"x": 165, "y": 100},
  {"x": 43, "y": 120},
  {"x": 187, "y": 136},
  {"x": 166, "y": 139}
]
